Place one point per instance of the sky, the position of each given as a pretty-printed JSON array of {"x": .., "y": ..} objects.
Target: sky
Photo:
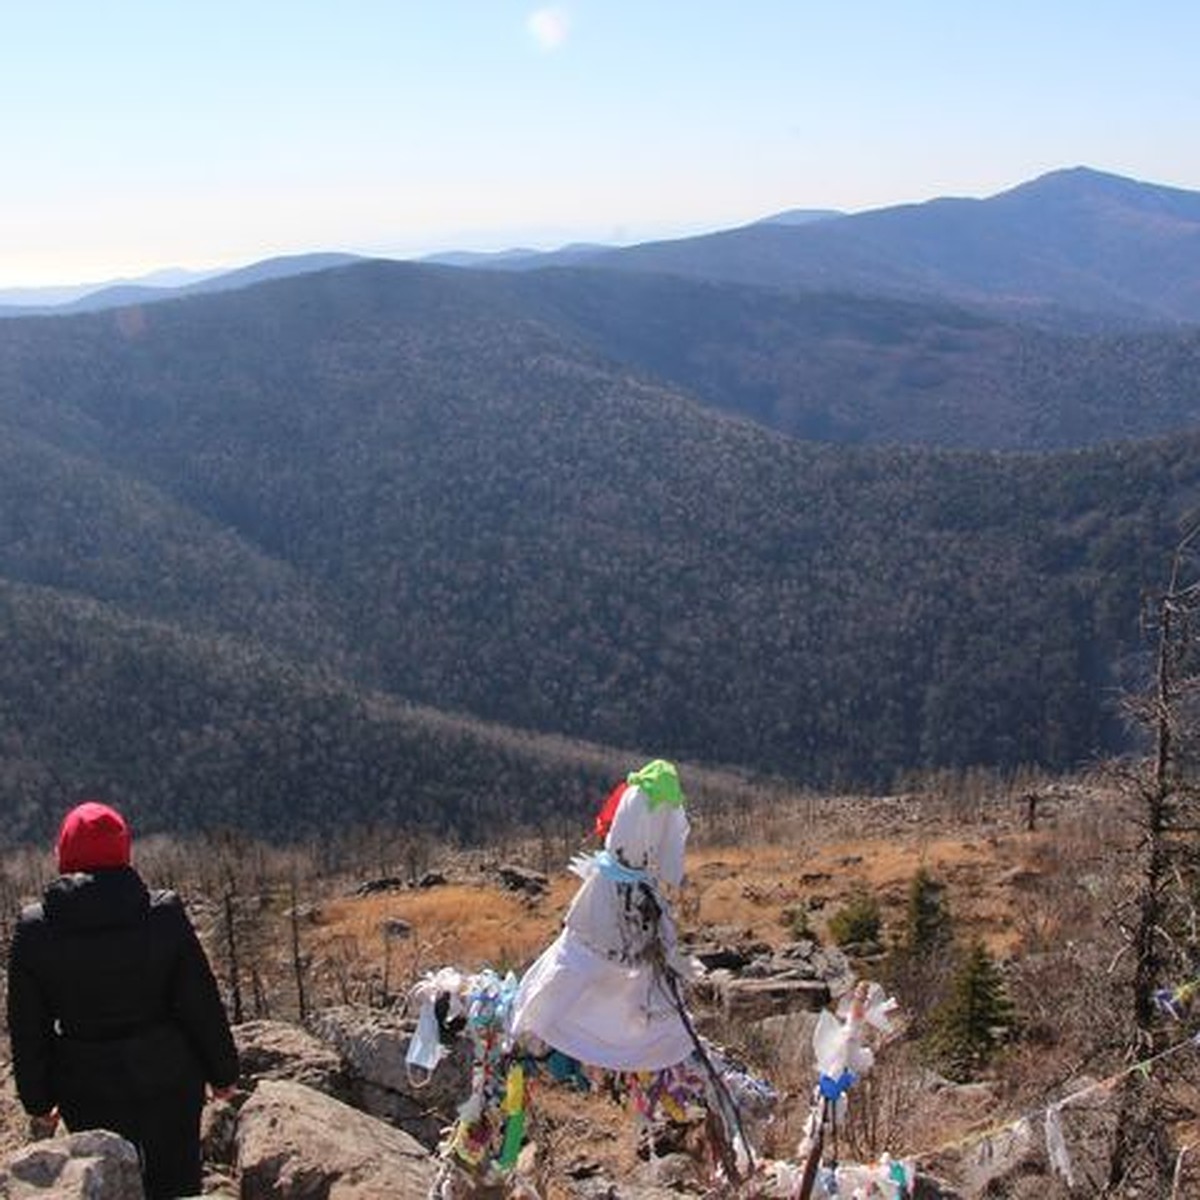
[{"x": 141, "y": 135}]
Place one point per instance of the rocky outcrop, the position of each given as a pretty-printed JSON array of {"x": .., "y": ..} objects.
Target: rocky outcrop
[
  {"x": 785, "y": 1041},
  {"x": 277, "y": 1050},
  {"x": 1010, "y": 1162},
  {"x": 750, "y": 981},
  {"x": 373, "y": 887},
  {"x": 754, "y": 999},
  {"x": 298, "y": 1143},
  {"x": 92, "y": 1165},
  {"x": 372, "y": 1044}
]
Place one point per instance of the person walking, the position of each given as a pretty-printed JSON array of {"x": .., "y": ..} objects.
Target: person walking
[{"x": 114, "y": 1015}]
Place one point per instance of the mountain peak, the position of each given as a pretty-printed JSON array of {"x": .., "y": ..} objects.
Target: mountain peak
[{"x": 1087, "y": 185}]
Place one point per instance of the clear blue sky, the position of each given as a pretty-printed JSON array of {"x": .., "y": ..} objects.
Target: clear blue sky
[{"x": 144, "y": 134}]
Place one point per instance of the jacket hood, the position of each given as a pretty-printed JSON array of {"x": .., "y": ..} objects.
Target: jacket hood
[{"x": 97, "y": 899}]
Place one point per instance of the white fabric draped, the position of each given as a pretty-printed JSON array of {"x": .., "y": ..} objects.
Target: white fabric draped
[{"x": 597, "y": 992}]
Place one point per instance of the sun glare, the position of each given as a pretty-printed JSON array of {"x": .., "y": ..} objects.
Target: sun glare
[{"x": 548, "y": 27}]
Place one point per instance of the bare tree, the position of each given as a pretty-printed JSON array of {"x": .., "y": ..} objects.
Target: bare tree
[
  {"x": 297, "y": 955},
  {"x": 1163, "y": 926}
]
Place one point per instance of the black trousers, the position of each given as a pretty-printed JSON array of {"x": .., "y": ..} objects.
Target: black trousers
[{"x": 165, "y": 1129}]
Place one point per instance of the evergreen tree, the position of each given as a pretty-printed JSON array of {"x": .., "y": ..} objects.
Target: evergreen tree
[
  {"x": 973, "y": 1019},
  {"x": 917, "y": 966},
  {"x": 859, "y": 921},
  {"x": 927, "y": 923}
]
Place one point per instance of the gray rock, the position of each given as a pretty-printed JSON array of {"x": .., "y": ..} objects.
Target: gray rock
[
  {"x": 372, "y": 1043},
  {"x": 929, "y": 1187},
  {"x": 277, "y": 1050},
  {"x": 714, "y": 956},
  {"x": 296, "y": 1142},
  {"x": 785, "y": 1041},
  {"x": 372, "y": 887},
  {"x": 218, "y": 1136},
  {"x": 522, "y": 879},
  {"x": 753, "y": 999},
  {"x": 90, "y": 1165}
]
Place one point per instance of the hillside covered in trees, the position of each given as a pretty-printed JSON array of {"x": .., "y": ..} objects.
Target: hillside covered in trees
[{"x": 356, "y": 544}]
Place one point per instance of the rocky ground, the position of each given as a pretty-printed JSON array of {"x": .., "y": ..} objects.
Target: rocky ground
[{"x": 328, "y": 1109}]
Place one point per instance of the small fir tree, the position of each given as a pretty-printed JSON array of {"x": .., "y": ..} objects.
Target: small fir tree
[
  {"x": 927, "y": 924},
  {"x": 917, "y": 965},
  {"x": 973, "y": 1019},
  {"x": 858, "y": 921}
]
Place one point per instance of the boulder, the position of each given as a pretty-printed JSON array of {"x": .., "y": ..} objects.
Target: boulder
[
  {"x": 754, "y": 999},
  {"x": 372, "y": 1044},
  {"x": 277, "y": 1050},
  {"x": 728, "y": 950},
  {"x": 372, "y": 887},
  {"x": 785, "y": 1041},
  {"x": 90, "y": 1165},
  {"x": 522, "y": 879},
  {"x": 798, "y": 977},
  {"x": 296, "y": 1142},
  {"x": 714, "y": 956},
  {"x": 993, "y": 1165}
]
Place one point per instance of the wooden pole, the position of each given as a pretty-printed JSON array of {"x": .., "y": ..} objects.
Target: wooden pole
[{"x": 809, "y": 1176}]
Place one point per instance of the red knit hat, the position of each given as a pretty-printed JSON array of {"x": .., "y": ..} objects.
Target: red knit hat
[{"x": 93, "y": 836}]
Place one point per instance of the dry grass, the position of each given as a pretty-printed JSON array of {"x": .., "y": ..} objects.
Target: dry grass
[
  {"x": 468, "y": 925},
  {"x": 993, "y": 870}
]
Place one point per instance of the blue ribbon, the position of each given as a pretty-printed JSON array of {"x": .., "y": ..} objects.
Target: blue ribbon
[
  {"x": 835, "y": 1089},
  {"x": 610, "y": 866}
]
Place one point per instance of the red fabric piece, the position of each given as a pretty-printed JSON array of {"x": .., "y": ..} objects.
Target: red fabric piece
[
  {"x": 93, "y": 836},
  {"x": 604, "y": 818}
]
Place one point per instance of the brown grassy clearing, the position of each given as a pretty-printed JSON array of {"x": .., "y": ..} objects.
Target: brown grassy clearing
[{"x": 743, "y": 889}]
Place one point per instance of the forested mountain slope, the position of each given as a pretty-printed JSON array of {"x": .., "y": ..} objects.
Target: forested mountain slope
[
  {"x": 210, "y": 733},
  {"x": 842, "y": 368},
  {"x": 376, "y": 486}
]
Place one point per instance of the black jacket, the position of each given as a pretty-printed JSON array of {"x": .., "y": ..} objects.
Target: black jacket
[{"x": 110, "y": 994}]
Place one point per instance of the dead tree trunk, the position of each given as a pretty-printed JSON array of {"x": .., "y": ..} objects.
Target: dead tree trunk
[
  {"x": 1164, "y": 788},
  {"x": 297, "y": 957},
  {"x": 232, "y": 966},
  {"x": 1161, "y": 794}
]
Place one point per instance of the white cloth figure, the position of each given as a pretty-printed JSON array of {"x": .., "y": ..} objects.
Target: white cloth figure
[{"x": 598, "y": 992}]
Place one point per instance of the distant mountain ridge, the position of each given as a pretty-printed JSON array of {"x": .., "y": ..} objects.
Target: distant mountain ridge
[
  {"x": 1071, "y": 246},
  {"x": 168, "y": 285},
  {"x": 1075, "y": 249},
  {"x": 800, "y": 216}
]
